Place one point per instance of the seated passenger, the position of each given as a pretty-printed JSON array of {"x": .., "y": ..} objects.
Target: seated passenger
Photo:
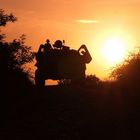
[
  {"x": 47, "y": 46},
  {"x": 58, "y": 44}
]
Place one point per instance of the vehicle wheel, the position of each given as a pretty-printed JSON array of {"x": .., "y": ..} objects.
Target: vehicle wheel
[{"x": 39, "y": 80}]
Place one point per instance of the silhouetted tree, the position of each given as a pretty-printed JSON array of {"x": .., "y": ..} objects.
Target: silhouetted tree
[
  {"x": 90, "y": 80},
  {"x": 4, "y": 18},
  {"x": 127, "y": 73},
  {"x": 129, "y": 68},
  {"x": 13, "y": 54},
  {"x": 93, "y": 81}
]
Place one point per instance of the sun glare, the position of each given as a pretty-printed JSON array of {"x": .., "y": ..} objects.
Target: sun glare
[{"x": 114, "y": 50}]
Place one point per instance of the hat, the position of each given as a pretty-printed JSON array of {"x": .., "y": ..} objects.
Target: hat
[{"x": 58, "y": 44}]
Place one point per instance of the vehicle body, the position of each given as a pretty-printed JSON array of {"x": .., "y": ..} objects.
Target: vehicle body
[{"x": 59, "y": 64}]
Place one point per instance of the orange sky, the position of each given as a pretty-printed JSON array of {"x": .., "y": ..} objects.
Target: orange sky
[{"x": 79, "y": 22}]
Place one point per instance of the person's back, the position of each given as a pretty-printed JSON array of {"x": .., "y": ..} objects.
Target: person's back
[{"x": 47, "y": 46}]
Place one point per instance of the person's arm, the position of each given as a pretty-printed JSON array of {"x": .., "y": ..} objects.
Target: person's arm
[{"x": 86, "y": 55}]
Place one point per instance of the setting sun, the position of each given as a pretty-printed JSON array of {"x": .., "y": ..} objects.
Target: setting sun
[{"x": 114, "y": 50}]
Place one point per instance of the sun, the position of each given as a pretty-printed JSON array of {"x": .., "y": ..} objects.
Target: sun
[{"x": 114, "y": 50}]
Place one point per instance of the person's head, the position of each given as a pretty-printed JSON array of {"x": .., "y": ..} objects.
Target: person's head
[
  {"x": 48, "y": 41},
  {"x": 58, "y": 44}
]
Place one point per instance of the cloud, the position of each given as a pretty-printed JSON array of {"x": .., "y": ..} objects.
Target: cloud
[{"x": 85, "y": 21}]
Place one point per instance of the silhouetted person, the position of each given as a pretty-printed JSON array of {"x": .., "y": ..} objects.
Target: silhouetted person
[
  {"x": 85, "y": 54},
  {"x": 58, "y": 44},
  {"x": 47, "y": 46},
  {"x": 42, "y": 52}
]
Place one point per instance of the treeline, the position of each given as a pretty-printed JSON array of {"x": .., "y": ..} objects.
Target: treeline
[{"x": 13, "y": 56}]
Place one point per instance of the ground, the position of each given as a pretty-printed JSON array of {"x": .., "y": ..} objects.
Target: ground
[{"x": 69, "y": 113}]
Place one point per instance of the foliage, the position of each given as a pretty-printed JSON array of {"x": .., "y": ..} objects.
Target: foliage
[
  {"x": 4, "y": 18},
  {"x": 16, "y": 53},
  {"x": 128, "y": 71},
  {"x": 90, "y": 80},
  {"x": 13, "y": 54},
  {"x": 2, "y": 36}
]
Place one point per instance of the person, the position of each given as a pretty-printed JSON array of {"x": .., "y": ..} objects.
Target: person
[
  {"x": 85, "y": 53},
  {"x": 42, "y": 51},
  {"x": 58, "y": 44},
  {"x": 47, "y": 46}
]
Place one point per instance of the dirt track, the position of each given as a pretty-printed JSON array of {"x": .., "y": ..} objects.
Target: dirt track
[{"x": 67, "y": 113}]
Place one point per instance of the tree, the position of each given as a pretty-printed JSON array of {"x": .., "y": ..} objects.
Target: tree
[
  {"x": 127, "y": 73},
  {"x": 128, "y": 69},
  {"x": 13, "y": 55},
  {"x": 4, "y": 18}
]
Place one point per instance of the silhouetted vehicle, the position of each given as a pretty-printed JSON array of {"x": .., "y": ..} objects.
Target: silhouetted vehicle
[{"x": 62, "y": 63}]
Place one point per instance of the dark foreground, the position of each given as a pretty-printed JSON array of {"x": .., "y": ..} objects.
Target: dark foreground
[{"x": 70, "y": 113}]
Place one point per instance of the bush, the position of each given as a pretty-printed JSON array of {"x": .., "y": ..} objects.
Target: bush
[
  {"x": 127, "y": 73},
  {"x": 13, "y": 56}
]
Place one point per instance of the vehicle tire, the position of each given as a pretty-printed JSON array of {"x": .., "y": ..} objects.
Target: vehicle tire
[{"x": 39, "y": 80}]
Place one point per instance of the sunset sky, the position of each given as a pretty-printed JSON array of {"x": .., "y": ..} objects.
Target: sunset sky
[{"x": 92, "y": 22}]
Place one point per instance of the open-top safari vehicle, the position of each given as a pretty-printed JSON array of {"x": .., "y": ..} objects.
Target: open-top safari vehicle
[{"x": 59, "y": 64}]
